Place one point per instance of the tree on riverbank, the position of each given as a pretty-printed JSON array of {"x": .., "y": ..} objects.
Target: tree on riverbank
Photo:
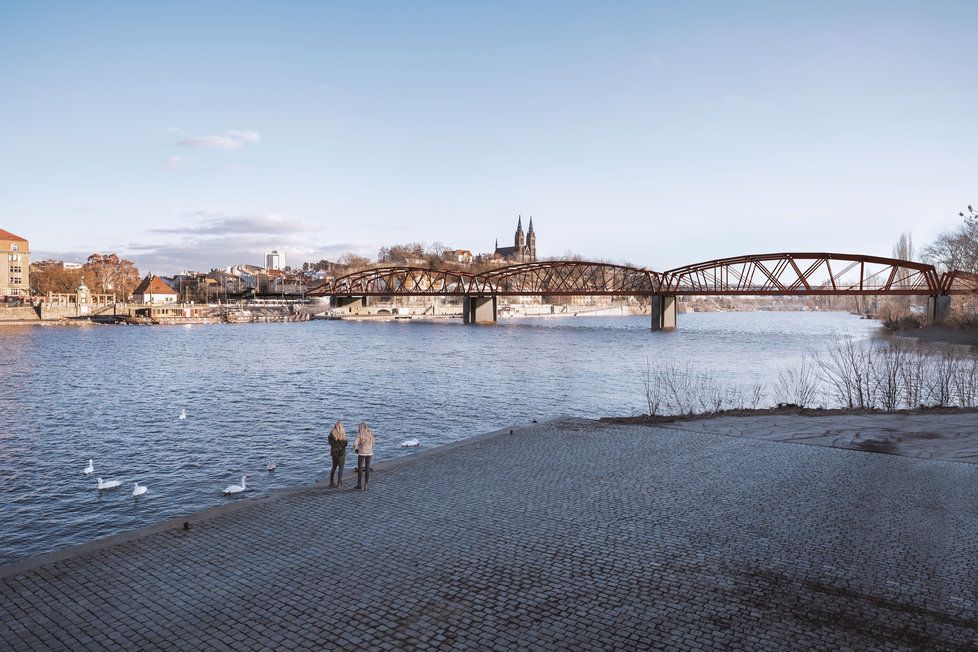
[
  {"x": 50, "y": 276},
  {"x": 111, "y": 274},
  {"x": 957, "y": 248}
]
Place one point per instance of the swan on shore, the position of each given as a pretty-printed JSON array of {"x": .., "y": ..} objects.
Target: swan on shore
[
  {"x": 111, "y": 484},
  {"x": 410, "y": 443},
  {"x": 235, "y": 488},
  {"x": 88, "y": 470},
  {"x": 183, "y": 414},
  {"x": 272, "y": 465},
  {"x": 138, "y": 489}
]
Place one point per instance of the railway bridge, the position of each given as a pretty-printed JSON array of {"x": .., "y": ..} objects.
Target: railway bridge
[{"x": 776, "y": 274}]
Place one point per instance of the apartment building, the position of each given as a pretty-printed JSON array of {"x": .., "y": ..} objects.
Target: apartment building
[{"x": 15, "y": 266}]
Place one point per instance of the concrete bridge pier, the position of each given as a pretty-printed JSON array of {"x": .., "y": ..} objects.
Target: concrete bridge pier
[
  {"x": 352, "y": 304},
  {"x": 938, "y": 308},
  {"x": 663, "y": 309},
  {"x": 479, "y": 310}
]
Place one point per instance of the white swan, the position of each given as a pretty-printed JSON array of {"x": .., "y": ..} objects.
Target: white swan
[
  {"x": 111, "y": 484},
  {"x": 183, "y": 414},
  {"x": 138, "y": 489},
  {"x": 88, "y": 470},
  {"x": 410, "y": 443},
  {"x": 236, "y": 489},
  {"x": 271, "y": 465}
]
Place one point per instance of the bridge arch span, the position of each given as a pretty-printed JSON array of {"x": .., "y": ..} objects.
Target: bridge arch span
[
  {"x": 400, "y": 281},
  {"x": 571, "y": 277},
  {"x": 803, "y": 273}
]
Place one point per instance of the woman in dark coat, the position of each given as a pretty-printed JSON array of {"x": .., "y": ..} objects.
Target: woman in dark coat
[{"x": 337, "y": 450}]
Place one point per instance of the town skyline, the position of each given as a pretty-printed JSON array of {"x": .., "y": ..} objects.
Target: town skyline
[{"x": 676, "y": 134}]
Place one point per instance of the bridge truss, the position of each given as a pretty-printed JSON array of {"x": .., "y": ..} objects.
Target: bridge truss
[{"x": 777, "y": 274}]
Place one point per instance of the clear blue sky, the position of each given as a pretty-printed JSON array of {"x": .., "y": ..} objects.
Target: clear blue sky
[{"x": 200, "y": 134}]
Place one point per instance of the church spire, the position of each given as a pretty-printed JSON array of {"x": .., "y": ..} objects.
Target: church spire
[{"x": 531, "y": 223}]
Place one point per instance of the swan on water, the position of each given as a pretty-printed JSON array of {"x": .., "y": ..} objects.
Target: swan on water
[
  {"x": 235, "y": 488},
  {"x": 271, "y": 465},
  {"x": 138, "y": 489},
  {"x": 88, "y": 470},
  {"x": 111, "y": 484},
  {"x": 183, "y": 414},
  {"x": 410, "y": 443}
]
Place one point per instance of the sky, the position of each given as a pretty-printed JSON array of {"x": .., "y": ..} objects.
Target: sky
[{"x": 201, "y": 134}]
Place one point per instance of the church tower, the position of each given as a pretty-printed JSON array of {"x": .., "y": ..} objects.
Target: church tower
[
  {"x": 520, "y": 238},
  {"x": 531, "y": 242}
]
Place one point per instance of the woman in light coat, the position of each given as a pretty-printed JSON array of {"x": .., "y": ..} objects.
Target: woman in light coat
[
  {"x": 364, "y": 447},
  {"x": 337, "y": 450}
]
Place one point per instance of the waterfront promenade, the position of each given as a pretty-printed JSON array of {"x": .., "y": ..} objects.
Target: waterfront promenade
[{"x": 571, "y": 534}]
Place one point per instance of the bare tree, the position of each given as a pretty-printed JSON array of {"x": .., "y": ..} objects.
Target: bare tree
[
  {"x": 797, "y": 385},
  {"x": 957, "y": 248},
  {"x": 652, "y": 385},
  {"x": 940, "y": 379},
  {"x": 846, "y": 367},
  {"x": 888, "y": 374}
]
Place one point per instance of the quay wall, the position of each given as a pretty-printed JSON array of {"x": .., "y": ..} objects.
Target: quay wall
[{"x": 53, "y": 313}]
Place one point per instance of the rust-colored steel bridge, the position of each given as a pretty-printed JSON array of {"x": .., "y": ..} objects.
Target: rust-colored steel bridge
[{"x": 778, "y": 274}]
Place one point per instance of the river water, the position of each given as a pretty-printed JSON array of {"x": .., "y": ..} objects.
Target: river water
[{"x": 259, "y": 392}]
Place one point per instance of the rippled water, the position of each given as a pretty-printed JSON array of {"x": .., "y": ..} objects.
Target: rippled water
[{"x": 255, "y": 392}]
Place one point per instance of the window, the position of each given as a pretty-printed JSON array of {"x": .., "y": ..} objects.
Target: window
[
  {"x": 16, "y": 270},
  {"x": 14, "y": 247},
  {"x": 15, "y": 280},
  {"x": 13, "y": 257}
]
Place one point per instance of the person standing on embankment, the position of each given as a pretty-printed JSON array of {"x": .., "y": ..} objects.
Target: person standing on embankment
[
  {"x": 337, "y": 450},
  {"x": 364, "y": 447}
]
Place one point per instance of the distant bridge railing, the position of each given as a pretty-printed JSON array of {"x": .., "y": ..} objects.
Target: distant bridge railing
[{"x": 777, "y": 274}]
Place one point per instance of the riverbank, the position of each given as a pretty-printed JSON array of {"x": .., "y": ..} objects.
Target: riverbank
[
  {"x": 940, "y": 334},
  {"x": 933, "y": 433},
  {"x": 567, "y": 534}
]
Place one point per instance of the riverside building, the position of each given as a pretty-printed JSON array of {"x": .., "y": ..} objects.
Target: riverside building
[{"x": 15, "y": 266}]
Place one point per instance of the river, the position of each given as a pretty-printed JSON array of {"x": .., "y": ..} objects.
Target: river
[{"x": 259, "y": 392}]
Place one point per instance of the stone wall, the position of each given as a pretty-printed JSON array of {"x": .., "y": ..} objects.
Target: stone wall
[{"x": 19, "y": 313}]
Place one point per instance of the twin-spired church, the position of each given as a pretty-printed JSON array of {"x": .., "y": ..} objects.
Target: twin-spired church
[{"x": 524, "y": 249}]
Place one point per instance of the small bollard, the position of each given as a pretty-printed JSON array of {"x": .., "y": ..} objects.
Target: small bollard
[{"x": 186, "y": 526}]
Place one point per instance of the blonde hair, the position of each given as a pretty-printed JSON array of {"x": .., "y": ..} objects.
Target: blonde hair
[
  {"x": 365, "y": 435},
  {"x": 338, "y": 432}
]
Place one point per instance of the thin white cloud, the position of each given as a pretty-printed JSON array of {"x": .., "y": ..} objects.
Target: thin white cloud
[
  {"x": 230, "y": 140},
  {"x": 212, "y": 239},
  {"x": 175, "y": 162},
  {"x": 246, "y": 136},
  {"x": 208, "y": 223}
]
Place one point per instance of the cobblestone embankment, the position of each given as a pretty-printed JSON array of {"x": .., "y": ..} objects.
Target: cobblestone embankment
[{"x": 572, "y": 535}]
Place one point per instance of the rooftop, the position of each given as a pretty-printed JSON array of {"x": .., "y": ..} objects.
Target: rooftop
[{"x": 7, "y": 235}]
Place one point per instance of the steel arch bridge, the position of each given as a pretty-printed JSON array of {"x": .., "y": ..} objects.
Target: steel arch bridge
[
  {"x": 552, "y": 278},
  {"x": 774, "y": 274},
  {"x": 777, "y": 274}
]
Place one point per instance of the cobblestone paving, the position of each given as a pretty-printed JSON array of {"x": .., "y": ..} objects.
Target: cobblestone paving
[{"x": 562, "y": 536}]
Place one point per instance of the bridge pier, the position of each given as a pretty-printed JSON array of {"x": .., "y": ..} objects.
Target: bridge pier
[
  {"x": 350, "y": 303},
  {"x": 663, "y": 309},
  {"x": 938, "y": 308},
  {"x": 479, "y": 310}
]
